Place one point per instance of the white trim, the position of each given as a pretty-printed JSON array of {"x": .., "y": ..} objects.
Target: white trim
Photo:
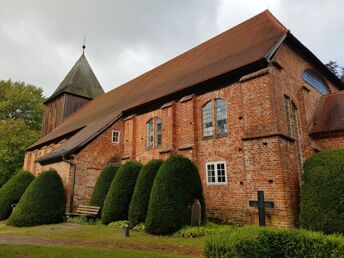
[
  {"x": 216, "y": 173},
  {"x": 118, "y": 138}
]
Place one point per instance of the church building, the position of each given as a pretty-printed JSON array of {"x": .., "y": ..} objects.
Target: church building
[{"x": 248, "y": 107}]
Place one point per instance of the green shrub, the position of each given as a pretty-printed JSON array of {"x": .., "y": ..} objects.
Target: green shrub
[
  {"x": 322, "y": 192},
  {"x": 120, "y": 224},
  {"x": 103, "y": 184},
  {"x": 84, "y": 220},
  {"x": 139, "y": 202},
  {"x": 139, "y": 227},
  {"x": 204, "y": 230},
  {"x": 253, "y": 242},
  {"x": 11, "y": 192},
  {"x": 117, "y": 201},
  {"x": 175, "y": 187},
  {"x": 43, "y": 202}
]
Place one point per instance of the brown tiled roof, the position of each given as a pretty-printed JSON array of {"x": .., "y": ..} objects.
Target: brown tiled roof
[
  {"x": 240, "y": 46},
  {"x": 80, "y": 81},
  {"x": 330, "y": 115}
]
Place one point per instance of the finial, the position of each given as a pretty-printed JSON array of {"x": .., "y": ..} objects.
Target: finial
[{"x": 84, "y": 45}]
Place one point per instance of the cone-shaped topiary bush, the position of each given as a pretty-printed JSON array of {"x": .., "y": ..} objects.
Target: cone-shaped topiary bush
[
  {"x": 139, "y": 202},
  {"x": 43, "y": 202},
  {"x": 11, "y": 192},
  {"x": 102, "y": 185},
  {"x": 322, "y": 192},
  {"x": 175, "y": 187},
  {"x": 117, "y": 201}
]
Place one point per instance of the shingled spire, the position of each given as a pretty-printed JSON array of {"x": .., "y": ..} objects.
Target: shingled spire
[{"x": 78, "y": 87}]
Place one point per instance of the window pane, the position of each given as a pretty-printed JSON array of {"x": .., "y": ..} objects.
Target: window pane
[
  {"x": 211, "y": 173},
  {"x": 207, "y": 120},
  {"x": 115, "y": 137},
  {"x": 221, "y": 117},
  {"x": 221, "y": 173},
  {"x": 315, "y": 81},
  {"x": 150, "y": 133},
  {"x": 287, "y": 110},
  {"x": 158, "y": 131}
]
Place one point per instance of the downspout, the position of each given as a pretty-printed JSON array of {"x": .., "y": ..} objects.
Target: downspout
[{"x": 73, "y": 165}]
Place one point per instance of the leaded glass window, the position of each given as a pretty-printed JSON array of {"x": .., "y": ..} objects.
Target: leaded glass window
[
  {"x": 208, "y": 120},
  {"x": 158, "y": 128},
  {"x": 315, "y": 81},
  {"x": 221, "y": 117},
  {"x": 150, "y": 134}
]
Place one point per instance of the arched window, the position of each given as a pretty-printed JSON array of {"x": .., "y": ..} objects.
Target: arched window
[
  {"x": 154, "y": 133},
  {"x": 150, "y": 134},
  {"x": 207, "y": 119},
  {"x": 221, "y": 116},
  {"x": 158, "y": 131},
  {"x": 315, "y": 81}
]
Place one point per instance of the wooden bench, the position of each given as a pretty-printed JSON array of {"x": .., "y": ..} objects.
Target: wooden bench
[{"x": 85, "y": 210}]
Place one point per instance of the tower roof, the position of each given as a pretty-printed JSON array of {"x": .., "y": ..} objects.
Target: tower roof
[{"x": 80, "y": 81}]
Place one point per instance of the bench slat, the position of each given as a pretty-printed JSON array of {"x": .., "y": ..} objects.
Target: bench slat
[{"x": 86, "y": 210}]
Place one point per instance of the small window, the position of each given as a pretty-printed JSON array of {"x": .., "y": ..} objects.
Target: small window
[
  {"x": 287, "y": 113},
  {"x": 150, "y": 134},
  {"x": 158, "y": 131},
  {"x": 115, "y": 137},
  {"x": 221, "y": 117},
  {"x": 315, "y": 81},
  {"x": 216, "y": 173},
  {"x": 208, "y": 120}
]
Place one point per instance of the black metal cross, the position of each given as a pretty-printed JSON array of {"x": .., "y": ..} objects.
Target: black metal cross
[{"x": 261, "y": 205}]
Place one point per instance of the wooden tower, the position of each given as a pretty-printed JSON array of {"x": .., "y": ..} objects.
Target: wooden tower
[{"x": 78, "y": 87}]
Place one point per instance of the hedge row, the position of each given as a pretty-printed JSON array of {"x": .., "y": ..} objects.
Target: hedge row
[
  {"x": 103, "y": 184},
  {"x": 322, "y": 192},
  {"x": 11, "y": 192},
  {"x": 252, "y": 242},
  {"x": 43, "y": 202},
  {"x": 139, "y": 202}
]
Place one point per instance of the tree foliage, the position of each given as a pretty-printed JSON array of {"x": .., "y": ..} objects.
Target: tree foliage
[
  {"x": 12, "y": 191},
  {"x": 335, "y": 68},
  {"x": 103, "y": 184},
  {"x": 139, "y": 202},
  {"x": 117, "y": 201},
  {"x": 322, "y": 192},
  {"x": 43, "y": 202},
  {"x": 20, "y": 121},
  {"x": 176, "y": 186}
]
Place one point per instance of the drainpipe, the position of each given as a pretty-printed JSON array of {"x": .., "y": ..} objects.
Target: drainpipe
[{"x": 73, "y": 165}]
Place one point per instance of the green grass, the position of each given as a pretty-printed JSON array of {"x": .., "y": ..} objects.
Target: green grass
[
  {"x": 92, "y": 240},
  {"x": 33, "y": 251}
]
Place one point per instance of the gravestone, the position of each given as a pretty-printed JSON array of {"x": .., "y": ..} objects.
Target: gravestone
[
  {"x": 196, "y": 213},
  {"x": 261, "y": 205}
]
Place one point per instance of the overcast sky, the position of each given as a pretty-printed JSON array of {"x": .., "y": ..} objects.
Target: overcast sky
[{"x": 40, "y": 40}]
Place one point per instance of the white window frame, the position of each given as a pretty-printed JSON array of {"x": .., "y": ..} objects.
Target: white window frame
[
  {"x": 118, "y": 138},
  {"x": 216, "y": 173}
]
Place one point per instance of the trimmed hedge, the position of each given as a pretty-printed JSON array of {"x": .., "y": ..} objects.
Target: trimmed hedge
[
  {"x": 175, "y": 187},
  {"x": 322, "y": 192},
  {"x": 11, "y": 192},
  {"x": 117, "y": 201},
  {"x": 43, "y": 202},
  {"x": 253, "y": 242},
  {"x": 103, "y": 184},
  {"x": 139, "y": 202}
]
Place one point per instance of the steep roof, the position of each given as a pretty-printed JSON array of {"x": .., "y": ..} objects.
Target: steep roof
[
  {"x": 250, "y": 42},
  {"x": 80, "y": 81},
  {"x": 330, "y": 115}
]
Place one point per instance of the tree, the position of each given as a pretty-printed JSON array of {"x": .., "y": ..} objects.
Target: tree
[
  {"x": 322, "y": 192},
  {"x": 43, "y": 202},
  {"x": 20, "y": 120},
  {"x": 336, "y": 69},
  {"x": 176, "y": 186}
]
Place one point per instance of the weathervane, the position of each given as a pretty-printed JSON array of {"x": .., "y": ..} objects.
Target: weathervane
[{"x": 84, "y": 45}]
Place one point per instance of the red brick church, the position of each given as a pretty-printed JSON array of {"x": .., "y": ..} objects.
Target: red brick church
[{"x": 247, "y": 106}]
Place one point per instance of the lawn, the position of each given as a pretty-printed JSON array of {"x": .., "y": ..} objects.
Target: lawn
[{"x": 74, "y": 240}]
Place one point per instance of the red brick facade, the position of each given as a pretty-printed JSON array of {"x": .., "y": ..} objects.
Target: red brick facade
[{"x": 259, "y": 151}]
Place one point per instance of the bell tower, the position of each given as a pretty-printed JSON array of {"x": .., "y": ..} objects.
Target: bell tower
[{"x": 78, "y": 87}]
